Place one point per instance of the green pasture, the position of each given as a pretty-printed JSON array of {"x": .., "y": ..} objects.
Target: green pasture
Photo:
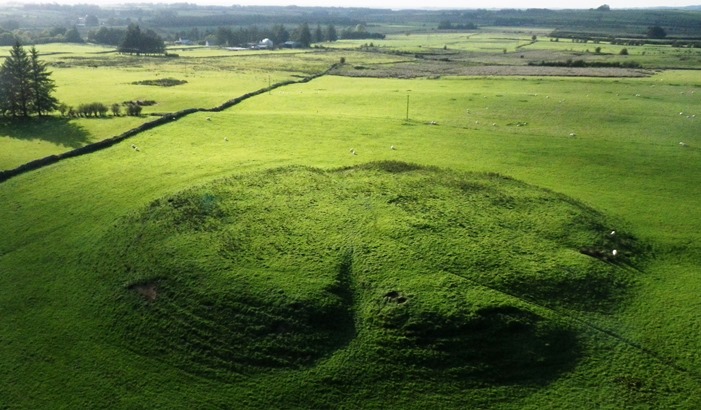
[
  {"x": 85, "y": 74},
  {"x": 515, "y": 47},
  {"x": 84, "y": 238}
]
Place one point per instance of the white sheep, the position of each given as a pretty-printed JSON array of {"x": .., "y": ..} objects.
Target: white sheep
[
  {"x": 614, "y": 252},
  {"x": 226, "y": 139},
  {"x": 494, "y": 124},
  {"x": 613, "y": 233},
  {"x": 354, "y": 153},
  {"x": 572, "y": 134},
  {"x": 683, "y": 144},
  {"x": 392, "y": 147}
]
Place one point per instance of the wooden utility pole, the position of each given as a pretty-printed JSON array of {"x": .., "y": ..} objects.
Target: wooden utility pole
[{"x": 407, "y": 107}]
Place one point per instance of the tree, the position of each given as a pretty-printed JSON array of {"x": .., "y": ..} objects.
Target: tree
[
  {"x": 656, "y": 32},
  {"x": 42, "y": 85},
  {"x": 109, "y": 36},
  {"x": 318, "y": 34},
  {"x": 304, "y": 36},
  {"x": 7, "y": 39},
  {"x": 25, "y": 85},
  {"x": 137, "y": 42},
  {"x": 72, "y": 36},
  {"x": 91, "y": 20},
  {"x": 15, "y": 83},
  {"x": 604, "y": 7},
  {"x": 331, "y": 34},
  {"x": 280, "y": 34}
]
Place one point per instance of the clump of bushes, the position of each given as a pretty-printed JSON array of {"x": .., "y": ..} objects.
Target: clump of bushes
[
  {"x": 161, "y": 82},
  {"x": 583, "y": 63},
  {"x": 97, "y": 109},
  {"x": 133, "y": 109}
]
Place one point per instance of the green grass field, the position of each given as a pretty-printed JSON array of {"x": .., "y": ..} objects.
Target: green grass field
[
  {"x": 86, "y": 74},
  {"x": 253, "y": 260}
]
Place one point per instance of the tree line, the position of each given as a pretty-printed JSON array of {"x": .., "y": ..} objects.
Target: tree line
[
  {"x": 26, "y": 86},
  {"x": 278, "y": 33}
]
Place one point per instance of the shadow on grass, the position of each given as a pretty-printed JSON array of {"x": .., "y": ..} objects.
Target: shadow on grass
[{"x": 55, "y": 130}]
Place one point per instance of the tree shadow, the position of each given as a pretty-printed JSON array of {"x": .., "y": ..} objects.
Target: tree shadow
[{"x": 55, "y": 130}]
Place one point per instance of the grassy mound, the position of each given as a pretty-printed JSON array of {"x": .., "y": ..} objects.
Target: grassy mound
[{"x": 422, "y": 272}]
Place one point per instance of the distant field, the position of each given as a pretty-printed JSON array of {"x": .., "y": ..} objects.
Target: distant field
[
  {"x": 360, "y": 240},
  {"x": 77, "y": 254},
  {"x": 85, "y": 74}
]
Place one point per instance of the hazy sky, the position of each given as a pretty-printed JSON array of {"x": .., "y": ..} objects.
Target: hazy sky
[
  {"x": 469, "y": 4},
  {"x": 407, "y": 4}
]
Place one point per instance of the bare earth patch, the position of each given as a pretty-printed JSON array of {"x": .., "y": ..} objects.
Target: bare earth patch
[{"x": 148, "y": 291}]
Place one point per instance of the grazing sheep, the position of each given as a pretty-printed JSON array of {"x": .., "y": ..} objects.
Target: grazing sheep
[
  {"x": 683, "y": 144},
  {"x": 392, "y": 147},
  {"x": 477, "y": 122},
  {"x": 226, "y": 139},
  {"x": 135, "y": 148},
  {"x": 433, "y": 123},
  {"x": 352, "y": 150},
  {"x": 681, "y": 113},
  {"x": 613, "y": 233},
  {"x": 572, "y": 134},
  {"x": 354, "y": 153},
  {"x": 209, "y": 118},
  {"x": 494, "y": 124}
]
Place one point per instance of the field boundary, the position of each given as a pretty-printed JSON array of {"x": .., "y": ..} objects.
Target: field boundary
[{"x": 165, "y": 119}]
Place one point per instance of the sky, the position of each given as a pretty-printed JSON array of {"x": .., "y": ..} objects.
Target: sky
[
  {"x": 466, "y": 4},
  {"x": 408, "y": 4}
]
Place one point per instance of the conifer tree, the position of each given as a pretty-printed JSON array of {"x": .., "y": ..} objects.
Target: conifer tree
[
  {"x": 42, "y": 85},
  {"x": 331, "y": 34},
  {"x": 15, "y": 83},
  {"x": 304, "y": 35},
  {"x": 25, "y": 85}
]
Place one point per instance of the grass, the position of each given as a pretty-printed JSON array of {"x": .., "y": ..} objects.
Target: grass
[
  {"x": 85, "y": 74},
  {"x": 421, "y": 265}
]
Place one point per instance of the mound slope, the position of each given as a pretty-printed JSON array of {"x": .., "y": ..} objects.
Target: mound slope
[{"x": 422, "y": 272}]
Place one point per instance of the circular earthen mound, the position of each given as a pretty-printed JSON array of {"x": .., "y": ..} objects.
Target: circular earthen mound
[{"x": 421, "y": 268}]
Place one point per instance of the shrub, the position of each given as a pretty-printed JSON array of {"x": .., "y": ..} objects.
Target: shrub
[
  {"x": 623, "y": 52},
  {"x": 133, "y": 109},
  {"x": 63, "y": 109}
]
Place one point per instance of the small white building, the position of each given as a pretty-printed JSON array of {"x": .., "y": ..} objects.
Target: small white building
[{"x": 266, "y": 43}]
